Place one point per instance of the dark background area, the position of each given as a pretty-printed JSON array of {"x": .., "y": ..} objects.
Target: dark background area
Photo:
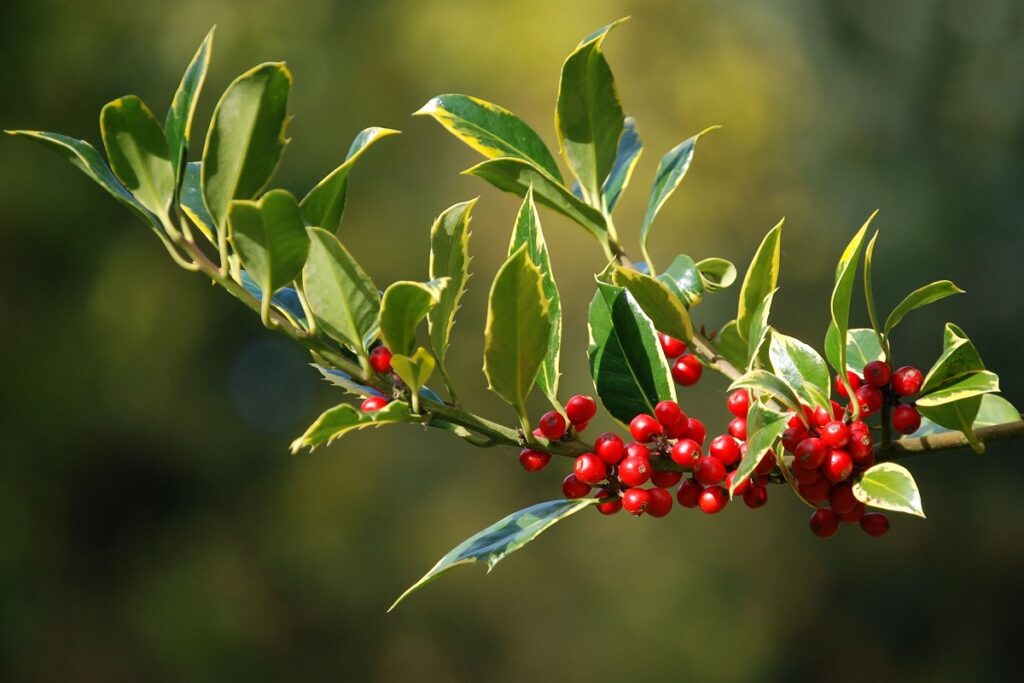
[{"x": 153, "y": 525}]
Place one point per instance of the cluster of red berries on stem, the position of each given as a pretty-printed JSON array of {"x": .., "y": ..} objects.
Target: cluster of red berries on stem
[{"x": 686, "y": 367}]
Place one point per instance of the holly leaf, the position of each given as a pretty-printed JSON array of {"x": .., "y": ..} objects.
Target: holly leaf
[
  {"x": 923, "y": 296},
  {"x": 764, "y": 427},
  {"x": 246, "y": 137},
  {"x": 324, "y": 206},
  {"x": 415, "y": 371},
  {"x": 862, "y": 347},
  {"x": 671, "y": 169},
  {"x": 770, "y": 385},
  {"x": 518, "y": 176},
  {"x": 629, "y": 370},
  {"x": 762, "y": 278},
  {"x": 801, "y": 368},
  {"x": 517, "y": 331},
  {"x": 345, "y": 418},
  {"x": 404, "y": 305},
  {"x": 994, "y": 410},
  {"x": 497, "y": 541},
  {"x": 491, "y": 130},
  {"x": 730, "y": 347},
  {"x": 626, "y": 159},
  {"x": 976, "y": 384},
  {"x": 959, "y": 359},
  {"x": 588, "y": 115},
  {"x": 891, "y": 487},
  {"x": 343, "y": 299},
  {"x": 192, "y": 202},
  {"x": 528, "y": 231},
  {"x": 178, "y": 124},
  {"x": 684, "y": 280},
  {"x": 657, "y": 301},
  {"x": 449, "y": 258},
  {"x": 138, "y": 154},
  {"x": 842, "y": 294},
  {"x": 716, "y": 273},
  {"x": 271, "y": 241}
]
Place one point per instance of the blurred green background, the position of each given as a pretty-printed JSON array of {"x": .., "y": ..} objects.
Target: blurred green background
[{"x": 152, "y": 523}]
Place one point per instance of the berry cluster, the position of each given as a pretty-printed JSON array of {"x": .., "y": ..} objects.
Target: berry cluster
[
  {"x": 880, "y": 385},
  {"x": 686, "y": 368}
]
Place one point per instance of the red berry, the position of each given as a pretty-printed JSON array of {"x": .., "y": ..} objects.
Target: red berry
[
  {"x": 666, "y": 480},
  {"x": 835, "y": 434},
  {"x": 380, "y": 359},
  {"x": 644, "y": 428},
  {"x": 637, "y": 450},
  {"x": 580, "y": 426},
  {"x": 766, "y": 465},
  {"x": 580, "y": 409},
  {"x": 590, "y": 469},
  {"x": 792, "y": 437},
  {"x": 552, "y": 425},
  {"x": 841, "y": 498},
  {"x": 696, "y": 429},
  {"x": 685, "y": 452},
  {"x": 709, "y": 470},
  {"x": 810, "y": 453},
  {"x": 852, "y": 378},
  {"x": 756, "y": 496},
  {"x": 688, "y": 493},
  {"x": 687, "y": 370},
  {"x": 611, "y": 506},
  {"x": 738, "y": 428},
  {"x": 877, "y": 373},
  {"x": 823, "y": 416},
  {"x": 634, "y": 471},
  {"x": 671, "y": 346},
  {"x": 854, "y": 516},
  {"x": 573, "y": 487},
  {"x": 739, "y": 490},
  {"x": 817, "y": 491},
  {"x": 838, "y": 467},
  {"x": 869, "y": 399},
  {"x": 906, "y": 419},
  {"x": 874, "y": 524},
  {"x": 907, "y": 381},
  {"x": 739, "y": 402},
  {"x": 680, "y": 430},
  {"x": 824, "y": 523},
  {"x": 713, "y": 499},
  {"x": 533, "y": 461},
  {"x": 860, "y": 448},
  {"x": 609, "y": 447},
  {"x": 725, "y": 449},
  {"x": 373, "y": 404},
  {"x": 805, "y": 477},
  {"x": 635, "y": 501},
  {"x": 659, "y": 502},
  {"x": 668, "y": 413}
]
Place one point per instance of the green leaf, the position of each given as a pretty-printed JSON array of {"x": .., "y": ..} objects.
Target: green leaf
[
  {"x": 518, "y": 176},
  {"x": 344, "y": 418},
  {"x": 344, "y": 300},
  {"x": 415, "y": 371},
  {"x": 138, "y": 154},
  {"x": 657, "y": 301},
  {"x": 626, "y": 158},
  {"x": 891, "y": 487},
  {"x": 862, "y": 347},
  {"x": 517, "y": 331},
  {"x": 842, "y": 293},
  {"x": 589, "y": 116},
  {"x": 671, "y": 169},
  {"x": 976, "y": 384},
  {"x": 192, "y": 202},
  {"x": 324, "y": 206},
  {"x": 270, "y": 239},
  {"x": 626, "y": 362},
  {"x": 178, "y": 124},
  {"x": 958, "y": 416},
  {"x": 246, "y": 137},
  {"x": 404, "y": 305},
  {"x": 449, "y": 258},
  {"x": 528, "y": 231},
  {"x": 930, "y": 293},
  {"x": 869, "y": 290},
  {"x": 491, "y": 130},
  {"x": 86, "y": 159},
  {"x": 762, "y": 277},
  {"x": 994, "y": 410},
  {"x": 730, "y": 347},
  {"x": 767, "y": 383},
  {"x": 959, "y": 359},
  {"x": 683, "y": 278},
  {"x": 494, "y": 543},
  {"x": 764, "y": 427},
  {"x": 758, "y": 331},
  {"x": 801, "y": 368},
  {"x": 716, "y": 273}
]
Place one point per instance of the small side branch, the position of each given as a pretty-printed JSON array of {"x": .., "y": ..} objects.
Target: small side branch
[{"x": 1009, "y": 431}]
